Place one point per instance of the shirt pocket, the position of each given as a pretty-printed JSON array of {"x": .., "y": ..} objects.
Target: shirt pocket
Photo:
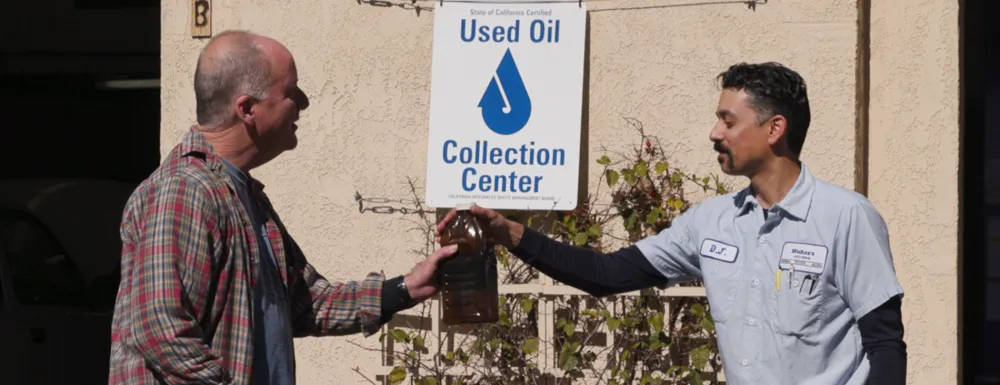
[
  {"x": 721, "y": 280},
  {"x": 800, "y": 305}
]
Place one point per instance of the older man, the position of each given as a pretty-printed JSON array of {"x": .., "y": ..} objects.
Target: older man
[{"x": 213, "y": 287}]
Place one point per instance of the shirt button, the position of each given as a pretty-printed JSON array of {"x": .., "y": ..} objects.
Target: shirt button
[
  {"x": 756, "y": 282},
  {"x": 762, "y": 239},
  {"x": 752, "y": 322},
  {"x": 795, "y": 283},
  {"x": 745, "y": 362}
]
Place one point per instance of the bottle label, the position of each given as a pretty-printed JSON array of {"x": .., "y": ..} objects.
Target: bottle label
[{"x": 467, "y": 271}]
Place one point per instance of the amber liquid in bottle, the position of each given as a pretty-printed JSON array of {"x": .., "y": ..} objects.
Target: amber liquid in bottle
[{"x": 469, "y": 291}]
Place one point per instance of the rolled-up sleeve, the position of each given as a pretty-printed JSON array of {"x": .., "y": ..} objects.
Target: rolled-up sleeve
[
  {"x": 673, "y": 251},
  {"x": 866, "y": 276}
]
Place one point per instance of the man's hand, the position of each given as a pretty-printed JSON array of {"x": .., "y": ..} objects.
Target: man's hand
[
  {"x": 421, "y": 280},
  {"x": 504, "y": 232}
]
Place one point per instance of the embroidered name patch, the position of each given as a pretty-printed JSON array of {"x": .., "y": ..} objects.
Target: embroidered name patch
[
  {"x": 724, "y": 252},
  {"x": 807, "y": 257}
]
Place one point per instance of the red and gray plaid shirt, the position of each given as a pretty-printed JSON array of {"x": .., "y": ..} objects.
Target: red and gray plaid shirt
[{"x": 183, "y": 314}]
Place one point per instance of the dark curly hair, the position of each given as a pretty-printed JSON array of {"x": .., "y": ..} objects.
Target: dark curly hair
[{"x": 774, "y": 90}]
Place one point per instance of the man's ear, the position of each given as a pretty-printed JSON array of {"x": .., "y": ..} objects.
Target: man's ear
[
  {"x": 244, "y": 109},
  {"x": 777, "y": 126}
]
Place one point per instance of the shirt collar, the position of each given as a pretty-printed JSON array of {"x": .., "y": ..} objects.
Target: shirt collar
[
  {"x": 796, "y": 203},
  {"x": 240, "y": 176},
  {"x": 195, "y": 144}
]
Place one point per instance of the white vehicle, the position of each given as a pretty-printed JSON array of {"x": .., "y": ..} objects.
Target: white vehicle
[{"x": 60, "y": 254}]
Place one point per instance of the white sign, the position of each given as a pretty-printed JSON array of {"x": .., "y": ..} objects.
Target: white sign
[{"x": 506, "y": 96}]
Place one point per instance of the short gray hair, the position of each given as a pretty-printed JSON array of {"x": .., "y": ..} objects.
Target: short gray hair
[{"x": 223, "y": 74}]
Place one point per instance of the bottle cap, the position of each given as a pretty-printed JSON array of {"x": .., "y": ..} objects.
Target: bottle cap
[{"x": 465, "y": 206}]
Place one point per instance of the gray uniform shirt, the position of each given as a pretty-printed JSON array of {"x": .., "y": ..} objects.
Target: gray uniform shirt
[{"x": 785, "y": 292}]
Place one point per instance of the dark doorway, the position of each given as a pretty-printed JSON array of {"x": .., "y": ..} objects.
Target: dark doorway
[
  {"x": 80, "y": 117},
  {"x": 980, "y": 195},
  {"x": 62, "y": 118}
]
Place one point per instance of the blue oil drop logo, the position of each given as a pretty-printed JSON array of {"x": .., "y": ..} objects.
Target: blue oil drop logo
[{"x": 505, "y": 105}]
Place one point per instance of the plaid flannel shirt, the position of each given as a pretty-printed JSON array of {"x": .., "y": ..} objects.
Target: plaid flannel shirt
[{"x": 183, "y": 313}]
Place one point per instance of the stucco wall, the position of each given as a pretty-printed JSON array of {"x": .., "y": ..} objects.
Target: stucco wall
[
  {"x": 367, "y": 71},
  {"x": 913, "y": 170}
]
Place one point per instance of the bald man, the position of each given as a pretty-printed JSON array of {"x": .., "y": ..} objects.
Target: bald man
[{"x": 213, "y": 287}]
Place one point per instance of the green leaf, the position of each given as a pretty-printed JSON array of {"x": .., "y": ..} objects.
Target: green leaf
[
  {"x": 429, "y": 380},
  {"x": 569, "y": 328},
  {"x": 568, "y": 362},
  {"x": 705, "y": 180},
  {"x": 397, "y": 375},
  {"x": 418, "y": 342},
  {"x": 604, "y": 160},
  {"x": 612, "y": 177},
  {"x": 527, "y": 305},
  {"x": 580, "y": 239},
  {"x": 625, "y": 355},
  {"x": 656, "y": 322},
  {"x": 707, "y": 324},
  {"x": 530, "y": 346},
  {"x": 699, "y": 357},
  {"x": 449, "y": 356},
  {"x": 661, "y": 167},
  {"x": 629, "y": 176},
  {"x": 651, "y": 218},
  {"x": 613, "y": 323},
  {"x": 641, "y": 169},
  {"x": 631, "y": 221},
  {"x": 399, "y": 335},
  {"x": 698, "y": 309},
  {"x": 594, "y": 230}
]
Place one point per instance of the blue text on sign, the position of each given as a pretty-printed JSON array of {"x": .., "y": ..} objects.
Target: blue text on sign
[
  {"x": 482, "y": 153},
  {"x": 540, "y": 31}
]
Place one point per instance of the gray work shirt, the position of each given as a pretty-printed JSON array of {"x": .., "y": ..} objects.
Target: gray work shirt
[{"x": 801, "y": 330}]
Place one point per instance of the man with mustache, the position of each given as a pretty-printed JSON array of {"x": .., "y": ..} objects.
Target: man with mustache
[
  {"x": 797, "y": 271},
  {"x": 214, "y": 288}
]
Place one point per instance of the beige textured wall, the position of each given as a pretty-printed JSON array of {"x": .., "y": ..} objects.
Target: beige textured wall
[
  {"x": 367, "y": 70},
  {"x": 913, "y": 170}
]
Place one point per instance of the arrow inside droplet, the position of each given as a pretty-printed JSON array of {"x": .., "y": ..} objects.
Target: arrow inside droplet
[{"x": 506, "y": 106}]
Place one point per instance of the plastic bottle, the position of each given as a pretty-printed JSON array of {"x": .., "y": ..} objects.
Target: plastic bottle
[{"x": 469, "y": 291}]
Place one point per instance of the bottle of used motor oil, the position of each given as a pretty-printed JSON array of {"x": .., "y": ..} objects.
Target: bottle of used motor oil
[{"x": 469, "y": 277}]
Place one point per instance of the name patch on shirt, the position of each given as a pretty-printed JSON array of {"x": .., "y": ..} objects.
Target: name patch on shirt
[
  {"x": 807, "y": 257},
  {"x": 724, "y": 252}
]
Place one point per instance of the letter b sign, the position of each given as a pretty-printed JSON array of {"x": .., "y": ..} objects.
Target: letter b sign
[{"x": 201, "y": 18}]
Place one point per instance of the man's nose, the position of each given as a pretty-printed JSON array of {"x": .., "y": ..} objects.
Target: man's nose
[
  {"x": 303, "y": 101},
  {"x": 715, "y": 135}
]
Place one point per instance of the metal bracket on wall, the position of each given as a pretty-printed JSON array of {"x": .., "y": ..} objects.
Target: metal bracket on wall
[{"x": 201, "y": 18}]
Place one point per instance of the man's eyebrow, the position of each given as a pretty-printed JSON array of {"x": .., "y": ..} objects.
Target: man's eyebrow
[{"x": 725, "y": 114}]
